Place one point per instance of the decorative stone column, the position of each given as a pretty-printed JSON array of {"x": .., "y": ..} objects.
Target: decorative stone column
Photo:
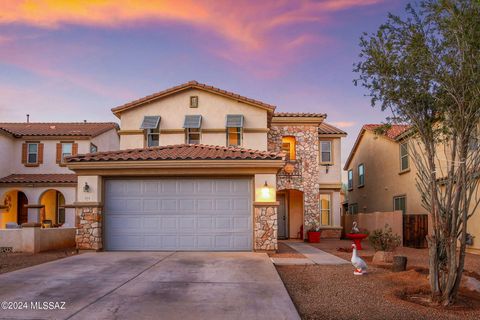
[
  {"x": 265, "y": 233},
  {"x": 89, "y": 223}
]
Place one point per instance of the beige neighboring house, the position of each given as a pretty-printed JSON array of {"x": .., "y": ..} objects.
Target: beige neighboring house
[
  {"x": 381, "y": 178},
  {"x": 201, "y": 168},
  {"x": 35, "y": 184}
]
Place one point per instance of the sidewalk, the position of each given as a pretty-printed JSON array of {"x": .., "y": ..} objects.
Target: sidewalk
[{"x": 316, "y": 255}]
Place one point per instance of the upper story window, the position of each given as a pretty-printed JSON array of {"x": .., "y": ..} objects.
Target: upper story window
[
  {"x": 32, "y": 153},
  {"x": 93, "y": 148},
  {"x": 400, "y": 203},
  {"x": 289, "y": 148},
  {"x": 234, "y": 125},
  {"x": 361, "y": 175},
  {"x": 192, "y": 126},
  {"x": 65, "y": 149},
  {"x": 404, "y": 161},
  {"x": 151, "y": 124},
  {"x": 326, "y": 151},
  {"x": 350, "y": 179},
  {"x": 193, "y": 101}
]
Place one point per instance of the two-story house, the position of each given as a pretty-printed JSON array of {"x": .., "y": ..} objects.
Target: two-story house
[
  {"x": 35, "y": 184},
  {"x": 382, "y": 178},
  {"x": 202, "y": 168}
]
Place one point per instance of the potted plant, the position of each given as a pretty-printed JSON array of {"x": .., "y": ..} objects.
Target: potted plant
[
  {"x": 313, "y": 233},
  {"x": 384, "y": 242}
]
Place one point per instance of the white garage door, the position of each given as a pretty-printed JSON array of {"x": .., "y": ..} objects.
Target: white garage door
[{"x": 178, "y": 214}]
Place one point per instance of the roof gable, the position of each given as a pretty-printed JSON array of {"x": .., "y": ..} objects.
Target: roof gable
[
  {"x": 192, "y": 85},
  {"x": 391, "y": 134}
]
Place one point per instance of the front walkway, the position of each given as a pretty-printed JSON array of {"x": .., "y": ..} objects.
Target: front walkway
[
  {"x": 149, "y": 285},
  {"x": 316, "y": 255}
]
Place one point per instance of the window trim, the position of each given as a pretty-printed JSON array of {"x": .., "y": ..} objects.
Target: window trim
[
  {"x": 188, "y": 133},
  {"x": 292, "y": 142},
  {"x": 351, "y": 205},
  {"x": 329, "y": 209},
  {"x": 193, "y": 101},
  {"x": 405, "y": 201},
  {"x": 240, "y": 136},
  {"x": 403, "y": 156},
  {"x": 29, "y": 153},
  {"x": 150, "y": 133},
  {"x": 361, "y": 183},
  {"x": 62, "y": 154},
  {"x": 321, "y": 151},
  {"x": 94, "y": 146},
  {"x": 350, "y": 185}
]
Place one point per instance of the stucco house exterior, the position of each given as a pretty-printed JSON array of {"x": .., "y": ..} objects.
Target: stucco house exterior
[
  {"x": 201, "y": 168},
  {"x": 381, "y": 177},
  {"x": 35, "y": 184}
]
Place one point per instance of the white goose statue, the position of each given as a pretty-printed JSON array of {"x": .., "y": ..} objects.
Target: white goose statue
[{"x": 358, "y": 263}]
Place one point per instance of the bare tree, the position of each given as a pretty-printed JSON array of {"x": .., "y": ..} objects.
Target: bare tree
[{"x": 425, "y": 68}]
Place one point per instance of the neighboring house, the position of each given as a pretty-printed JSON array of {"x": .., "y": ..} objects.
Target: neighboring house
[
  {"x": 202, "y": 168},
  {"x": 35, "y": 184},
  {"x": 381, "y": 177}
]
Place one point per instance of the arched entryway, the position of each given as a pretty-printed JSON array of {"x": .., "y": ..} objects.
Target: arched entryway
[
  {"x": 52, "y": 212},
  {"x": 290, "y": 214},
  {"x": 15, "y": 209}
]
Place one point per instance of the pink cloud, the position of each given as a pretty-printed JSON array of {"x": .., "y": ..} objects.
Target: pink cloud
[
  {"x": 344, "y": 124},
  {"x": 264, "y": 38}
]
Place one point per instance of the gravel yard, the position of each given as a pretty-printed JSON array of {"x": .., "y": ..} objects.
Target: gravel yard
[
  {"x": 417, "y": 258},
  {"x": 333, "y": 292},
  {"x": 285, "y": 251},
  {"x": 14, "y": 261}
]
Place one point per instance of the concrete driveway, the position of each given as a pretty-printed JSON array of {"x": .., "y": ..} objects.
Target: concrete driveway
[{"x": 149, "y": 285}]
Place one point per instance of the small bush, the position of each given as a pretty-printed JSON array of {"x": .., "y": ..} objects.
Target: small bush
[{"x": 384, "y": 240}]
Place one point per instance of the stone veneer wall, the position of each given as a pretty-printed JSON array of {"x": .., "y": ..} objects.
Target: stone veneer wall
[
  {"x": 265, "y": 233},
  {"x": 307, "y": 152},
  {"x": 89, "y": 228}
]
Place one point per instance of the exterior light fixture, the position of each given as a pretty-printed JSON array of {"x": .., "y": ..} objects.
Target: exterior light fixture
[
  {"x": 86, "y": 187},
  {"x": 265, "y": 191}
]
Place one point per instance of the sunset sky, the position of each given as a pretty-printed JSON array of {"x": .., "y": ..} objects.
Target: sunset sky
[{"x": 75, "y": 60}]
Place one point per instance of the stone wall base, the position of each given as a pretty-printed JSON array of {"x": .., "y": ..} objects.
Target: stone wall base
[
  {"x": 89, "y": 228},
  {"x": 265, "y": 233}
]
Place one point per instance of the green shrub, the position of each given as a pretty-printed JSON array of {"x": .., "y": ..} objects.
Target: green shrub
[{"x": 384, "y": 240}]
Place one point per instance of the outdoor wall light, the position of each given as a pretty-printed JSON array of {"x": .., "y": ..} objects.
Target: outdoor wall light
[
  {"x": 265, "y": 191},
  {"x": 86, "y": 187}
]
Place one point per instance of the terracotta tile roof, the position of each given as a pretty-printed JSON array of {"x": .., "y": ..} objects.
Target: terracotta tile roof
[
  {"x": 300, "y": 114},
  {"x": 190, "y": 85},
  {"x": 89, "y": 129},
  {"x": 179, "y": 152},
  {"x": 326, "y": 128},
  {"x": 392, "y": 133},
  {"x": 39, "y": 178}
]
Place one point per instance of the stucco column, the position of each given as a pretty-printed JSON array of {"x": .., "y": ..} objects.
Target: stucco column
[{"x": 266, "y": 227}]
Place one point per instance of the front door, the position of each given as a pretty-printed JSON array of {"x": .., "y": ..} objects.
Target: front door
[
  {"x": 282, "y": 217},
  {"x": 22, "y": 210}
]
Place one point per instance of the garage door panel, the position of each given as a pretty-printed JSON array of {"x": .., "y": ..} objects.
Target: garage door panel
[
  {"x": 178, "y": 214},
  {"x": 241, "y": 204}
]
